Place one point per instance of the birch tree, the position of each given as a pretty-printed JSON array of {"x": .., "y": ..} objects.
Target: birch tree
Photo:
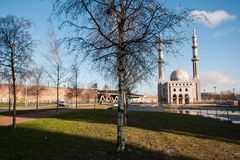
[
  {"x": 75, "y": 79},
  {"x": 16, "y": 48},
  {"x": 111, "y": 31},
  {"x": 55, "y": 70},
  {"x": 37, "y": 75}
]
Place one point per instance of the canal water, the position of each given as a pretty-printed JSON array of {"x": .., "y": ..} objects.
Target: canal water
[{"x": 223, "y": 113}]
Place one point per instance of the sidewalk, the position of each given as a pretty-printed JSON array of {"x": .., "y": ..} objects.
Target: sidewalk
[{"x": 7, "y": 120}]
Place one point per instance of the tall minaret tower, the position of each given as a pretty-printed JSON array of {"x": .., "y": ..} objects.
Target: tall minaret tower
[
  {"x": 161, "y": 61},
  {"x": 195, "y": 61},
  {"x": 161, "y": 77},
  {"x": 195, "y": 58}
]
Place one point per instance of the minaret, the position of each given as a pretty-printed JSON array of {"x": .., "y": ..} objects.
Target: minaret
[
  {"x": 161, "y": 61},
  {"x": 195, "y": 61},
  {"x": 195, "y": 58},
  {"x": 161, "y": 77}
]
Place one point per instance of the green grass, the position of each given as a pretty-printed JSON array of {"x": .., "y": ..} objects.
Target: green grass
[
  {"x": 5, "y": 105},
  {"x": 91, "y": 134},
  {"x": 82, "y": 106}
]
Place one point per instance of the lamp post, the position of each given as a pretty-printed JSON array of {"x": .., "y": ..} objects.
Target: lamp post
[
  {"x": 1, "y": 71},
  {"x": 215, "y": 88},
  {"x": 95, "y": 94}
]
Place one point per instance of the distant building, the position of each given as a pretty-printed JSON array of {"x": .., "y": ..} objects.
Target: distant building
[
  {"x": 144, "y": 99},
  {"x": 180, "y": 89}
]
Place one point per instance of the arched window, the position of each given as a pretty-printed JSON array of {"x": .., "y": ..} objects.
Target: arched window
[
  {"x": 174, "y": 99},
  {"x": 186, "y": 90},
  {"x": 180, "y": 90},
  {"x": 180, "y": 99},
  {"x": 174, "y": 90},
  {"x": 186, "y": 98}
]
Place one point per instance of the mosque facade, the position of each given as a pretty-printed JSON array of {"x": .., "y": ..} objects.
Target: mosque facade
[{"x": 180, "y": 89}]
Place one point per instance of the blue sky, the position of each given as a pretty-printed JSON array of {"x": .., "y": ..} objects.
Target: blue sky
[{"x": 218, "y": 41}]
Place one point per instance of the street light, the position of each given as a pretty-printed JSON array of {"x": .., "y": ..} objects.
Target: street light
[
  {"x": 95, "y": 93},
  {"x": 234, "y": 91},
  {"x": 215, "y": 88},
  {"x": 1, "y": 72}
]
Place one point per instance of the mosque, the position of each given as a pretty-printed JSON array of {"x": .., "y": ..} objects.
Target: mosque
[{"x": 180, "y": 89}]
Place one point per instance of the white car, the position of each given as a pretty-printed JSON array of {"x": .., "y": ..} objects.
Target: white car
[{"x": 62, "y": 104}]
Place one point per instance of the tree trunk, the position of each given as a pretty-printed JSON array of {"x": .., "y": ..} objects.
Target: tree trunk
[
  {"x": 126, "y": 110},
  {"x": 9, "y": 98},
  {"x": 120, "y": 117},
  {"x": 14, "y": 97},
  {"x": 57, "y": 111},
  {"x": 9, "y": 105},
  {"x": 76, "y": 98},
  {"x": 37, "y": 102},
  {"x": 121, "y": 70}
]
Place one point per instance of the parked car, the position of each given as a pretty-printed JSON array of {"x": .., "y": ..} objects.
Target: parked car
[{"x": 63, "y": 104}]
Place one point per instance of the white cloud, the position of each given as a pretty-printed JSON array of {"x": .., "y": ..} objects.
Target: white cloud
[
  {"x": 222, "y": 81},
  {"x": 212, "y": 19},
  {"x": 221, "y": 33}
]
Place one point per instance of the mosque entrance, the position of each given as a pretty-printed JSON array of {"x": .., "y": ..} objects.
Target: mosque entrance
[
  {"x": 180, "y": 99},
  {"x": 174, "y": 99},
  {"x": 187, "y": 99}
]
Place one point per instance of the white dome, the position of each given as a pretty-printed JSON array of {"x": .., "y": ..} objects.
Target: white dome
[{"x": 179, "y": 75}]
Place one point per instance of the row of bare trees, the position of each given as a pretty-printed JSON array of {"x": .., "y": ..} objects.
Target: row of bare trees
[
  {"x": 16, "y": 48},
  {"x": 16, "y": 61}
]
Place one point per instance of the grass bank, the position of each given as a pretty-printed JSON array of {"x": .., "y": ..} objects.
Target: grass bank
[{"x": 91, "y": 134}]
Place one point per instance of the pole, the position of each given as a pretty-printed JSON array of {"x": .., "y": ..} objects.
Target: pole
[
  {"x": 227, "y": 113},
  {"x": 216, "y": 112},
  {"x": 95, "y": 101}
]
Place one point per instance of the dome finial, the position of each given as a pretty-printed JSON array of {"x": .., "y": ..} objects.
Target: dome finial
[
  {"x": 194, "y": 32},
  {"x": 161, "y": 37}
]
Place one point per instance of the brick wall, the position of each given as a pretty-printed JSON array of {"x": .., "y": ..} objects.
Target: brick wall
[{"x": 47, "y": 94}]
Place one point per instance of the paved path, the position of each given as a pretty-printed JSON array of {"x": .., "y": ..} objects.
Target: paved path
[{"x": 7, "y": 120}]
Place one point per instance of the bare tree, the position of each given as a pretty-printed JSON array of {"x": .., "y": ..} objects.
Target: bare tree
[
  {"x": 7, "y": 77},
  {"x": 55, "y": 69},
  {"x": 24, "y": 79},
  {"x": 75, "y": 79},
  {"x": 114, "y": 30},
  {"x": 9, "y": 94},
  {"x": 37, "y": 74},
  {"x": 16, "y": 47}
]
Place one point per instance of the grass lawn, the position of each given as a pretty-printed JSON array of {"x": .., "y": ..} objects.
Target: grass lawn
[
  {"x": 82, "y": 106},
  {"x": 5, "y": 105},
  {"x": 91, "y": 134}
]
